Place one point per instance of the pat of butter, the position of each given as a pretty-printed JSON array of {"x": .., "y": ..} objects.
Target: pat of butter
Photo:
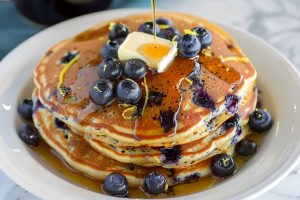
[{"x": 158, "y": 54}]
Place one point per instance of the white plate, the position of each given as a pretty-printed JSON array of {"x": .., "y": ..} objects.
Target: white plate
[{"x": 277, "y": 79}]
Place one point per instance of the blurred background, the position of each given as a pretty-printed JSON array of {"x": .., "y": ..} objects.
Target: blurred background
[{"x": 275, "y": 21}]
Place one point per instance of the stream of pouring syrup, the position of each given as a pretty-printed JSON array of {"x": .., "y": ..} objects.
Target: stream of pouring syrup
[{"x": 154, "y": 18}]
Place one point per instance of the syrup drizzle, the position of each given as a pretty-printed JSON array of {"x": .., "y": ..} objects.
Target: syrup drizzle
[
  {"x": 154, "y": 18},
  {"x": 46, "y": 154},
  {"x": 136, "y": 121},
  {"x": 194, "y": 74},
  {"x": 175, "y": 119}
]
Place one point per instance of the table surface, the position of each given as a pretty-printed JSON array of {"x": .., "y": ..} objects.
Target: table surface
[{"x": 276, "y": 21}]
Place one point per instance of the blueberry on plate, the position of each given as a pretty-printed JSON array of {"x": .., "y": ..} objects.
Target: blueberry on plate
[
  {"x": 260, "y": 120},
  {"x": 147, "y": 27},
  {"x": 164, "y": 22},
  {"x": 169, "y": 33},
  {"x": 102, "y": 92},
  {"x": 110, "y": 49},
  {"x": 25, "y": 109},
  {"x": 155, "y": 183},
  {"x": 246, "y": 147},
  {"x": 116, "y": 184},
  {"x": 204, "y": 36},
  {"x": 189, "y": 46},
  {"x": 135, "y": 69},
  {"x": 29, "y": 135},
  {"x": 118, "y": 31},
  {"x": 128, "y": 92},
  {"x": 222, "y": 165},
  {"x": 110, "y": 68}
]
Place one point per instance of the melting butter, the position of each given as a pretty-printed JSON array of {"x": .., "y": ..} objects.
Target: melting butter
[
  {"x": 157, "y": 55},
  {"x": 154, "y": 52}
]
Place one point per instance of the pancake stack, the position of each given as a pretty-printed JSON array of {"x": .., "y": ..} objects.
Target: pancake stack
[{"x": 185, "y": 123}]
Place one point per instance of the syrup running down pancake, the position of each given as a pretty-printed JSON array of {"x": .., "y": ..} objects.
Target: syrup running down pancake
[
  {"x": 139, "y": 106},
  {"x": 222, "y": 74}
]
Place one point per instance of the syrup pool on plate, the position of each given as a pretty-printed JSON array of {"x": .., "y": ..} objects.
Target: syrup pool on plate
[{"x": 57, "y": 163}]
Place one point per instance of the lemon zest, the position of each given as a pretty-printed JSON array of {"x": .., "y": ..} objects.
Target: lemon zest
[
  {"x": 133, "y": 108},
  {"x": 124, "y": 105},
  {"x": 188, "y": 31},
  {"x": 163, "y": 26},
  {"x": 96, "y": 88},
  {"x": 207, "y": 52},
  {"x": 225, "y": 161},
  {"x": 183, "y": 79},
  {"x": 111, "y": 25},
  {"x": 147, "y": 94},
  {"x": 156, "y": 158},
  {"x": 174, "y": 39},
  {"x": 63, "y": 72},
  {"x": 128, "y": 109},
  {"x": 235, "y": 59}
]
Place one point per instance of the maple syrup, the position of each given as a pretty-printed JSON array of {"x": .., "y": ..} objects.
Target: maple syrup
[
  {"x": 56, "y": 163},
  {"x": 154, "y": 52},
  {"x": 154, "y": 17}
]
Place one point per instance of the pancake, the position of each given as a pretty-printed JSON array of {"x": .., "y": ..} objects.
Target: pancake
[
  {"x": 80, "y": 156},
  {"x": 187, "y": 154},
  {"x": 247, "y": 106},
  {"x": 223, "y": 73}
]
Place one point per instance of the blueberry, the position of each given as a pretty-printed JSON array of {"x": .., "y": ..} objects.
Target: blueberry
[
  {"x": 116, "y": 184},
  {"x": 260, "y": 120},
  {"x": 156, "y": 98},
  {"x": 201, "y": 98},
  {"x": 118, "y": 31},
  {"x": 68, "y": 57},
  {"x": 171, "y": 155},
  {"x": 169, "y": 33},
  {"x": 147, "y": 27},
  {"x": 246, "y": 147},
  {"x": 110, "y": 49},
  {"x": 164, "y": 22},
  {"x": 102, "y": 92},
  {"x": 155, "y": 183},
  {"x": 60, "y": 124},
  {"x": 189, "y": 46},
  {"x": 110, "y": 68},
  {"x": 66, "y": 90},
  {"x": 119, "y": 40},
  {"x": 204, "y": 36},
  {"x": 128, "y": 92},
  {"x": 135, "y": 69},
  {"x": 232, "y": 103},
  {"x": 167, "y": 119},
  {"x": 29, "y": 135},
  {"x": 222, "y": 165},
  {"x": 231, "y": 122},
  {"x": 25, "y": 109}
]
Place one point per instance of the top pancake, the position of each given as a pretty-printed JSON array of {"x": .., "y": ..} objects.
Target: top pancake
[{"x": 79, "y": 112}]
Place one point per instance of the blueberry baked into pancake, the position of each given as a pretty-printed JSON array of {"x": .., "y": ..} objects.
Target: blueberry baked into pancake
[{"x": 143, "y": 109}]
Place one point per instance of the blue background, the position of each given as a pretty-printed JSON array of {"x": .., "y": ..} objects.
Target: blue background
[{"x": 14, "y": 28}]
